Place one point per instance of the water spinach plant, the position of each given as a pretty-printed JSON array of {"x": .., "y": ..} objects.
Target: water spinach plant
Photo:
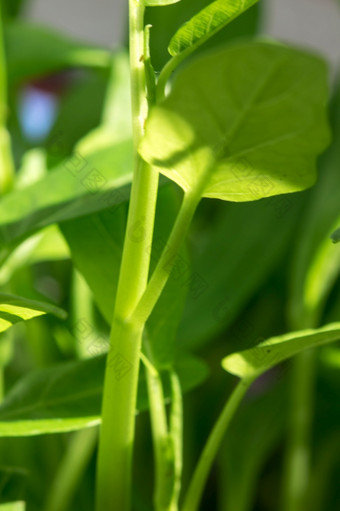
[{"x": 242, "y": 122}]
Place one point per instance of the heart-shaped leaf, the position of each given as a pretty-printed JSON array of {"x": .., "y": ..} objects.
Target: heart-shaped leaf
[
  {"x": 241, "y": 124},
  {"x": 68, "y": 397},
  {"x": 255, "y": 361},
  {"x": 14, "y": 309},
  {"x": 206, "y": 23}
]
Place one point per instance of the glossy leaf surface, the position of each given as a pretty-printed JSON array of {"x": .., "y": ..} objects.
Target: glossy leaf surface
[
  {"x": 207, "y": 22},
  {"x": 264, "y": 356},
  {"x": 242, "y": 124}
]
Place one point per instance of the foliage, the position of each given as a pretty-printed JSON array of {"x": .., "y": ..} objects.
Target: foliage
[{"x": 108, "y": 220}]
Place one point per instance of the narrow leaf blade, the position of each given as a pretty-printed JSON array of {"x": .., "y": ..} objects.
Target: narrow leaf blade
[
  {"x": 68, "y": 397},
  {"x": 14, "y": 309},
  {"x": 207, "y": 22},
  {"x": 264, "y": 356}
]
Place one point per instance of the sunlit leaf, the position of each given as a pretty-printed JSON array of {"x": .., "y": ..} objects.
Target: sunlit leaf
[
  {"x": 80, "y": 185},
  {"x": 257, "y": 360},
  {"x": 165, "y": 23},
  {"x": 13, "y": 506},
  {"x": 206, "y": 23},
  {"x": 14, "y": 309},
  {"x": 241, "y": 124},
  {"x": 68, "y": 397},
  {"x": 160, "y": 2}
]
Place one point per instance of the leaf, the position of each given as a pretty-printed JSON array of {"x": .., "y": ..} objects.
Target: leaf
[
  {"x": 68, "y": 397},
  {"x": 12, "y": 484},
  {"x": 243, "y": 456},
  {"x": 14, "y": 309},
  {"x": 33, "y": 51},
  {"x": 165, "y": 23},
  {"x": 206, "y": 23},
  {"x": 13, "y": 506},
  {"x": 241, "y": 124},
  {"x": 230, "y": 264},
  {"x": 316, "y": 261},
  {"x": 336, "y": 236},
  {"x": 82, "y": 184},
  {"x": 47, "y": 245},
  {"x": 96, "y": 243},
  {"x": 255, "y": 361},
  {"x": 155, "y": 3}
]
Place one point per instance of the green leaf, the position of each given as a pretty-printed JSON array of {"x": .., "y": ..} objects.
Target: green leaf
[
  {"x": 316, "y": 261},
  {"x": 243, "y": 456},
  {"x": 206, "y": 23},
  {"x": 12, "y": 484},
  {"x": 336, "y": 236},
  {"x": 165, "y": 23},
  {"x": 34, "y": 51},
  {"x": 47, "y": 245},
  {"x": 82, "y": 184},
  {"x": 241, "y": 124},
  {"x": 230, "y": 264},
  {"x": 14, "y": 309},
  {"x": 13, "y": 506},
  {"x": 150, "y": 3},
  {"x": 68, "y": 397},
  {"x": 96, "y": 243},
  {"x": 255, "y": 361}
]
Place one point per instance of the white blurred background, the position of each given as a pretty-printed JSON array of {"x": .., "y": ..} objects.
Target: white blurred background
[{"x": 312, "y": 23}]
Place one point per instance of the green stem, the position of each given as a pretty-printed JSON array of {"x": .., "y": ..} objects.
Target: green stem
[
  {"x": 199, "y": 479},
  {"x": 297, "y": 465},
  {"x": 163, "y": 449},
  {"x": 71, "y": 470},
  {"x": 176, "y": 431},
  {"x": 167, "y": 260},
  {"x": 6, "y": 159},
  {"x": 122, "y": 367}
]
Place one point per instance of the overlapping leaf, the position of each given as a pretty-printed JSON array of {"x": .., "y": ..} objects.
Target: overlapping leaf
[
  {"x": 255, "y": 361},
  {"x": 14, "y": 309},
  {"x": 241, "y": 124},
  {"x": 68, "y": 397},
  {"x": 80, "y": 185},
  {"x": 229, "y": 262},
  {"x": 316, "y": 261},
  {"x": 207, "y": 22}
]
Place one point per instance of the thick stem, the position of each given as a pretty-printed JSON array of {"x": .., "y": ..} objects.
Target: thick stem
[
  {"x": 297, "y": 465},
  {"x": 6, "y": 159},
  {"x": 199, "y": 479},
  {"x": 122, "y": 368}
]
